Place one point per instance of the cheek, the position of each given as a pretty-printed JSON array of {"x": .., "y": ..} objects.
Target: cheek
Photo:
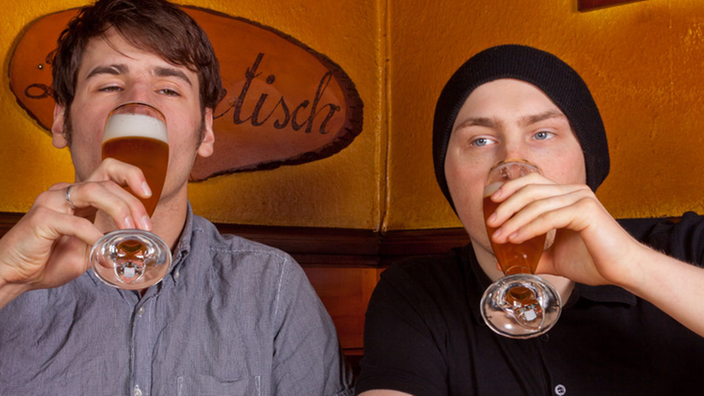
[
  {"x": 466, "y": 187},
  {"x": 567, "y": 171},
  {"x": 578, "y": 175},
  {"x": 86, "y": 136}
]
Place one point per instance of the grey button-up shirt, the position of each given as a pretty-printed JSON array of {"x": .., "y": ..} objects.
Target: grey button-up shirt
[{"x": 232, "y": 317}]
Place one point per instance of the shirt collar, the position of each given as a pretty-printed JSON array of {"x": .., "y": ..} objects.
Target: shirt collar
[
  {"x": 477, "y": 281},
  {"x": 184, "y": 243},
  {"x": 179, "y": 254},
  {"x": 183, "y": 247}
]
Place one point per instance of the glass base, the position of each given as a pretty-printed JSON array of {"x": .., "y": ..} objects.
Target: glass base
[
  {"x": 130, "y": 259},
  {"x": 521, "y": 306}
]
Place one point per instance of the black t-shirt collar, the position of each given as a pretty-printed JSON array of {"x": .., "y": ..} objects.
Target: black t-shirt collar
[{"x": 477, "y": 281}]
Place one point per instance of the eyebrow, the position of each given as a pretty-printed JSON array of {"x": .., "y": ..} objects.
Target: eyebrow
[
  {"x": 497, "y": 123},
  {"x": 479, "y": 121},
  {"x": 535, "y": 118},
  {"x": 114, "y": 70},
  {"x": 171, "y": 72},
  {"x": 118, "y": 69}
]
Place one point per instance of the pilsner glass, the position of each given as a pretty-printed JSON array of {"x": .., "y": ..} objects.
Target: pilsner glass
[
  {"x": 134, "y": 259},
  {"x": 519, "y": 305}
]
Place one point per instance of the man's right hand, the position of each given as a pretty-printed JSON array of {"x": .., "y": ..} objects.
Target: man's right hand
[{"x": 50, "y": 245}]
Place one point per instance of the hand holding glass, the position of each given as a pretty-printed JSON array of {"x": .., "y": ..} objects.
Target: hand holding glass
[
  {"x": 134, "y": 259},
  {"x": 519, "y": 305}
]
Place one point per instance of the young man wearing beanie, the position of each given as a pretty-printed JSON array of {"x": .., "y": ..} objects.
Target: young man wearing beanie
[{"x": 424, "y": 332}]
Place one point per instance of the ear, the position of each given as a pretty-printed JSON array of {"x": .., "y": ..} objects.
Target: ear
[
  {"x": 57, "y": 128},
  {"x": 206, "y": 145}
]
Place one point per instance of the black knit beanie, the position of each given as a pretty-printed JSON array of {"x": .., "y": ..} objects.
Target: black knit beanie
[{"x": 547, "y": 72}]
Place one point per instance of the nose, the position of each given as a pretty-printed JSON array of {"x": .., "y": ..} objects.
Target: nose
[
  {"x": 512, "y": 149},
  {"x": 139, "y": 92}
]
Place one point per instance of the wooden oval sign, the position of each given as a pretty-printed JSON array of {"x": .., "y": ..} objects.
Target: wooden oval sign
[{"x": 285, "y": 103}]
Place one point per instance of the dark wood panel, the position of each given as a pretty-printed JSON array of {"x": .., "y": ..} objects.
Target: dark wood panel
[
  {"x": 331, "y": 260},
  {"x": 309, "y": 240},
  {"x": 586, "y": 5},
  {"x": 345, "y": 292},
  {"x": 421, "y": 242},
  {"x": 327, "y": 246},
  {"x": 8, "y": 220}
]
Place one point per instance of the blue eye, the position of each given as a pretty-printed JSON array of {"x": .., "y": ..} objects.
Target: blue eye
[
  {"x": 479, "y": 142},
  {"x": 543, "y": 135}
]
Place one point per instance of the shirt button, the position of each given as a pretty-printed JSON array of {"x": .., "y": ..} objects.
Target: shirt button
[
  {"x": 545, "y": 337},
  {"x": 177, "y": 274},
  {"x": 137, "y": 391},
  {"x": 141, "y": 311},
  {"x": 560, "y": 390}
]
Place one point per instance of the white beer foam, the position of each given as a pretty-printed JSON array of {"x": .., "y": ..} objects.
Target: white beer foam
[
  {"x": 491, "y": 188},
  {"x": 122, "y": 125}
]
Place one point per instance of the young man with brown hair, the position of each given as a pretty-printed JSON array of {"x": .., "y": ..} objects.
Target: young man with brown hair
[{"x": 231, "y": 316}]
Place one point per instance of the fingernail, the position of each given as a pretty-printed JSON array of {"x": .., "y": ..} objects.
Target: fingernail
[
  {"x": 128, "y": 222},
  {"x": 513, "y": 236},
  {"x": 497, "y": 193},
  {"x": 146, "y": 223},
  {"x": 491, "y": 218},
  {"x": 496, "y": 233},
  {"x": 145, "y": 188}
]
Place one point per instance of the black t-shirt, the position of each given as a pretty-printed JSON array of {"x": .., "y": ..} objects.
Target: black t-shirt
[{"x": 424, "y": 334}]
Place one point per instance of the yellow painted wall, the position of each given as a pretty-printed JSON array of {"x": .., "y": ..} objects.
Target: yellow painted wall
[
  {"x": 643, "y": 61},
  {"x": 341, "y": 191}
]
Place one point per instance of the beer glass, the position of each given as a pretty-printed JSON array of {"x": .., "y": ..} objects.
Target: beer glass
[
  {"x": 134, "y": 259},
  {"x": 519, "y": 305}
]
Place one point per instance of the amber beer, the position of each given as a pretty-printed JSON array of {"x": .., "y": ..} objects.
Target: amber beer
[
  {"x": 142, "y": 141},
  {"x": 514, "y": 258}
]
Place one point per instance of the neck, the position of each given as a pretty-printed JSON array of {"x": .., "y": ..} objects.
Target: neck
[
  {"x": 489, "y": 264},
  {"x": 167, "y": 222}
]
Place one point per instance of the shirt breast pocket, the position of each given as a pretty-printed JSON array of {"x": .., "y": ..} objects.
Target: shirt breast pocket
[{"x": 207, "y": 385}]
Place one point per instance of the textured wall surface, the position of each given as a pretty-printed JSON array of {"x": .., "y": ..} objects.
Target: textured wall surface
[
  {"x": 340, "y": 191},
  {"x": 643, "y": 62}
]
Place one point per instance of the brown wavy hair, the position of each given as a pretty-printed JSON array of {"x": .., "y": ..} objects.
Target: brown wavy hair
[{"x": 156, "y": 26}]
